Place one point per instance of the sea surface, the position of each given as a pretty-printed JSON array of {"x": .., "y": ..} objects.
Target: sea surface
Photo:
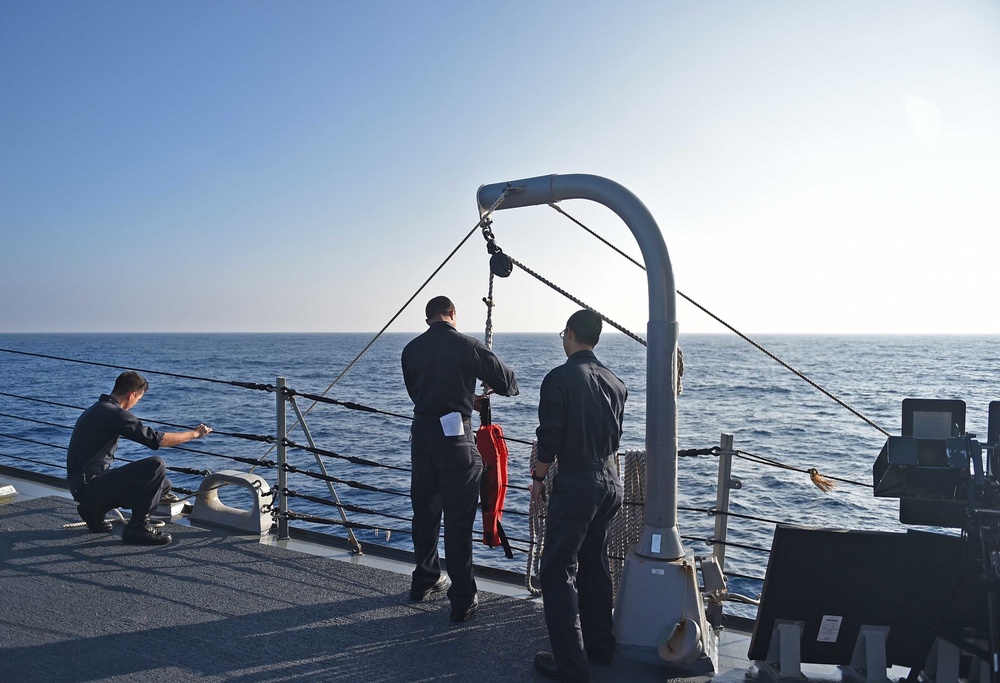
[{"x": 729, "y": 387}]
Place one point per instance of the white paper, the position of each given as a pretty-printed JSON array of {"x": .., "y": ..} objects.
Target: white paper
[
  {"x": 452, "y": 424},
  {"x": 829, "y": 629}
]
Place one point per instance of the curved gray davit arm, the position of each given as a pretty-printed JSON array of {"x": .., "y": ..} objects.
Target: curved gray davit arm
[{"x": 660, "y": 538}]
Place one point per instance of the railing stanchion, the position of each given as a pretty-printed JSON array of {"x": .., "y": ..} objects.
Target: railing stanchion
[
  {"x": 722, "y": 499},
  {"x": 282, "y": 460}
]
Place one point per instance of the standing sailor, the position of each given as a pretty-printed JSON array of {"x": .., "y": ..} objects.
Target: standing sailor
[
  {"x": 440, "y": 369},
  {"x": 137, "y": 486},
  {"x": 580, "y": 409}
]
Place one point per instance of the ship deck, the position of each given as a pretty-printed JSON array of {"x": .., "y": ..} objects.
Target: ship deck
[{"x": 77, "y": 606}]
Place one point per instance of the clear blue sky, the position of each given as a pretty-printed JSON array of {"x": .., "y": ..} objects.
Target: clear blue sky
[{"x": 303, "y": 166}]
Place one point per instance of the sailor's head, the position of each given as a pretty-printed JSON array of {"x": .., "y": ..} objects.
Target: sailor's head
[
  {"x": 583, "y": 330},
  {"x": 440, "y": 308},
  {"x": 129, "y": 388}
]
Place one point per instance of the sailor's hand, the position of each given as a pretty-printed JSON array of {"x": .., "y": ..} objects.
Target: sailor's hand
[
  {"x": 202, "y": 430},
  {"x": 477, "y": 401},
  {"x": 537, "y": 492}
]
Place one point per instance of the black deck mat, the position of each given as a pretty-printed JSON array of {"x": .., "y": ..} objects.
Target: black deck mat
[{"x": 76, "y": 606}]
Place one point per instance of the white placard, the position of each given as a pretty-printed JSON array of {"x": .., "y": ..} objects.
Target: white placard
[
  {"x": 452, "y": 424},
  {"x": 829, "y": 629}
]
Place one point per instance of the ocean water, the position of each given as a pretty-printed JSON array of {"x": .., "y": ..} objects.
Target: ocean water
[{"x": 729, "y": 387}]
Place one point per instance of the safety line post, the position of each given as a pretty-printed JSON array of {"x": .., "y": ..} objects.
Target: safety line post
[
  {"x": 725, "y": 483},
  {"x": 657, "y": 592},
  {"x": 282, "y": 429},
  {"x": 713, "y": 611}
]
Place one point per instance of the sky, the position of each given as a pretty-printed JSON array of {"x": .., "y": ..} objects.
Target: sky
[{"x": 220, "y": 166}]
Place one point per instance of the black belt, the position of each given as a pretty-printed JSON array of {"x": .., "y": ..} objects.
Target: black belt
[
  {"x": 436, "y": 418},
  {"x": 587, "y": 466}
]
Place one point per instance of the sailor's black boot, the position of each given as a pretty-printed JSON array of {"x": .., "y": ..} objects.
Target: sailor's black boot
[{"x": 144, "y": 534}]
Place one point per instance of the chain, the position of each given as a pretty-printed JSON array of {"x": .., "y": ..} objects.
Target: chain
[
  {"x": 491, "y": 242},
  {"x": 487, "y": 225}
]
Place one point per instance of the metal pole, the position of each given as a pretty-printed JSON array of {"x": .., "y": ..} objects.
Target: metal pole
[
  {"x": 722, "y": 499},
  {"x": 282, "y": 430}
]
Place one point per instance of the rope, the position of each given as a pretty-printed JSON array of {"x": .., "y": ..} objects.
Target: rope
[
  {"x": 536, "y": 525},
  {"x": 607, "y": 243},
  {"x": 36, "y": 462},
  {"x": 179, "y": 470},
  {"x": 246, "y": 385},
  {"x": 745, "y": 576},
  {"x": 717, "y": 513},
  {"x": 37, "y": 443},
  {"x": 263, "y": 463},
  {"x": 357, "y": 406},
  {"x": 315, "y": 519},
  {"x": 39, "y": 400},
  {"x": 785, "y": 365},
  {"x": 344, "y": 506},
  {"x": 578, "y": 302},
  {"x": 350, "y": 458},
  {"x": 345, "y": 482},
  {"x": 252, "y": 437},
  {"x": 742, "y": 336},
  {"x": 120, "y": 519},
  {"x": 357, "y": 525},
  {"x": 485, "y": 217},
  {"x": 730, "y": 544},
  {"x": 628, "y": 523},
  {"x": 811, "y": 471},
  {"x": 30, "y": 419},
  {"x": 319, "y": 398},
  {"x": 488, "y": 300},
  {"x": 361, "y": 510}
]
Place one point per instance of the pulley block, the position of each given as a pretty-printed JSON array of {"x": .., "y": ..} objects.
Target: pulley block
[{"x": 501, "y": 265}]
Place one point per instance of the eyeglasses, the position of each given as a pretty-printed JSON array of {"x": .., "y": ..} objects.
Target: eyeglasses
[{"x": 562, "y": 335}]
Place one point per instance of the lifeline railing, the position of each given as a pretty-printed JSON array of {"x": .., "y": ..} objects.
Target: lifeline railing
[
  {"x": 718, "y": 541},
  {"x": 283, "y": 494}
]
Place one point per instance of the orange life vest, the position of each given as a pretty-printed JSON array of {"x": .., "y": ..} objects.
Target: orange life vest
[{"x": 493, "y": 486}]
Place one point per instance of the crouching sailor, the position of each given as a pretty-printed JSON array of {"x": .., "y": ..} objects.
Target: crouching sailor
[{"x": 137, "y": 486}]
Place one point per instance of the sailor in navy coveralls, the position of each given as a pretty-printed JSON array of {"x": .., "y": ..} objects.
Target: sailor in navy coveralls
[
  {"x": 137, "y": 486},
  {"x": 440, "y": 369},
  {"x": 580, "y": 410}
]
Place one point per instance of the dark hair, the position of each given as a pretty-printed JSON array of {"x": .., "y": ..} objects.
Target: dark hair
[
  {"x": 439, "y": 305},
  {"x": 128, "y": 382},
  {"x": 586, "y": 326}
]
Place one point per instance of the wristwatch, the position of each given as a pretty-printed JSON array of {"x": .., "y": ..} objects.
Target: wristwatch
[{"x": 535, "y": 477}]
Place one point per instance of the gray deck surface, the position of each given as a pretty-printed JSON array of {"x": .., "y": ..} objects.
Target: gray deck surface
[{"x": 76, "y": 606}]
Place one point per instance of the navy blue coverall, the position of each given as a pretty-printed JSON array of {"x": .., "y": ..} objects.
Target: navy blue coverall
[
  {"x": 440, "y": 369},
  {"x": 93, "y": 482},
  {"x": 580, "y": 411}
]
